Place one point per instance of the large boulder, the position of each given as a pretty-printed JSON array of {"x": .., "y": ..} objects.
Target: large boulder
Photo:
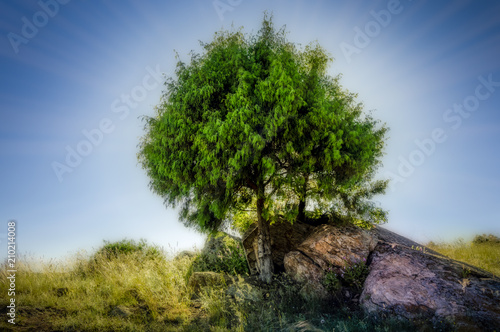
[
  {"x": 301, "y": 267},
  {"x": 407, "y": 280},
  {"x": 285, "y": 237},
  {"x": 328, "y": 246}
]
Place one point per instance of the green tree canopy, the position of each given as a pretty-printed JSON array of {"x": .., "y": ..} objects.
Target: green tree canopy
[{"x": 254, "y": 120}]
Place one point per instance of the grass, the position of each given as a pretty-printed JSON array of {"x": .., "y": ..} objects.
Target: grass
[
  {"x": 145, "y": 289},
  {"x": 82, "y": 294},
  {"x": 483, "y": 254}
]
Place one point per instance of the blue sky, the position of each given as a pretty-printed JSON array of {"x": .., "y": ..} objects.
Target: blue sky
[{"x": 76, "y": 76}]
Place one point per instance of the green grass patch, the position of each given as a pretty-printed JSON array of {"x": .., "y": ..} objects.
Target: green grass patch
[
  {"x": 483, "y": 252},
  {"x": 222, "y": 254},
  {"x": 86, "y": 292}
]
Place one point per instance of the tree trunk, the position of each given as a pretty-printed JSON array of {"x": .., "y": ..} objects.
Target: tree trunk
[
  {"x": 302, "y": 212},
  {"x": 302, "y": 203},
  {"x": 264, "y": 244}
]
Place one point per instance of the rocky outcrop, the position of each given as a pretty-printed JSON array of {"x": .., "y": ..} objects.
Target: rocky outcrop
[
  {"x": 302, "y": 268},
  {"x": 285, "y": 237},
  {"x": 407, "y": 280},
  {"x": 328, "y": 246}
]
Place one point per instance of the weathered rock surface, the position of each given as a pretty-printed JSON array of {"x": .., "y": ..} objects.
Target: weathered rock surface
[
  {"x": 405, "y": 279},
  {"x": 328, "y": 246},
  {"x": 284, "y": 238},
  {"x": 302, "y": 268},
  {"x": 423, "y": 284}
]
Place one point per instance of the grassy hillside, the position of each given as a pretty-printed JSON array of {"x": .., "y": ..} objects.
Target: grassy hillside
[
  {"x": 127, "y": 286},
  {"x": 86, "y": 294},
  {"x": 483, "y": 251}
]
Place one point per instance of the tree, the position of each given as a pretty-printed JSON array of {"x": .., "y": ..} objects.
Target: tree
[{"x": 254, "y": 121}]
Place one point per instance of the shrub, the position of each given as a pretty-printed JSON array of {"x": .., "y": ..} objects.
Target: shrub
[
  {"x": 486, "y": 238},
  {"x": 282, "y": 294},
  {"x": 222, "y": 254},
  {"x": 112, "y": 250},
  {"x": 465, "y": 272},
  {"x": 354, "y": 274},
  {"x": 331, "y": 281}
]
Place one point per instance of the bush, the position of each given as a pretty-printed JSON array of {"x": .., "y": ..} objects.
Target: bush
[
  {"x": 223, "y": 254},
  {"x": 331, "y": 281},
  {"x": 110, "y": 251},
  {"x": 486, "y": 239},
  {"x": 354, "y": 274}
]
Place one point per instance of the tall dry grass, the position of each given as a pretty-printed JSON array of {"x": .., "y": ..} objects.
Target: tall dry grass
[
  {"x": 485, "y": 255},
  {"x": 95, "y": 294}
]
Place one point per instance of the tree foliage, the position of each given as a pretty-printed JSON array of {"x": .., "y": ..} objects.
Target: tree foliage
[{"x": 256, "y": 123}]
